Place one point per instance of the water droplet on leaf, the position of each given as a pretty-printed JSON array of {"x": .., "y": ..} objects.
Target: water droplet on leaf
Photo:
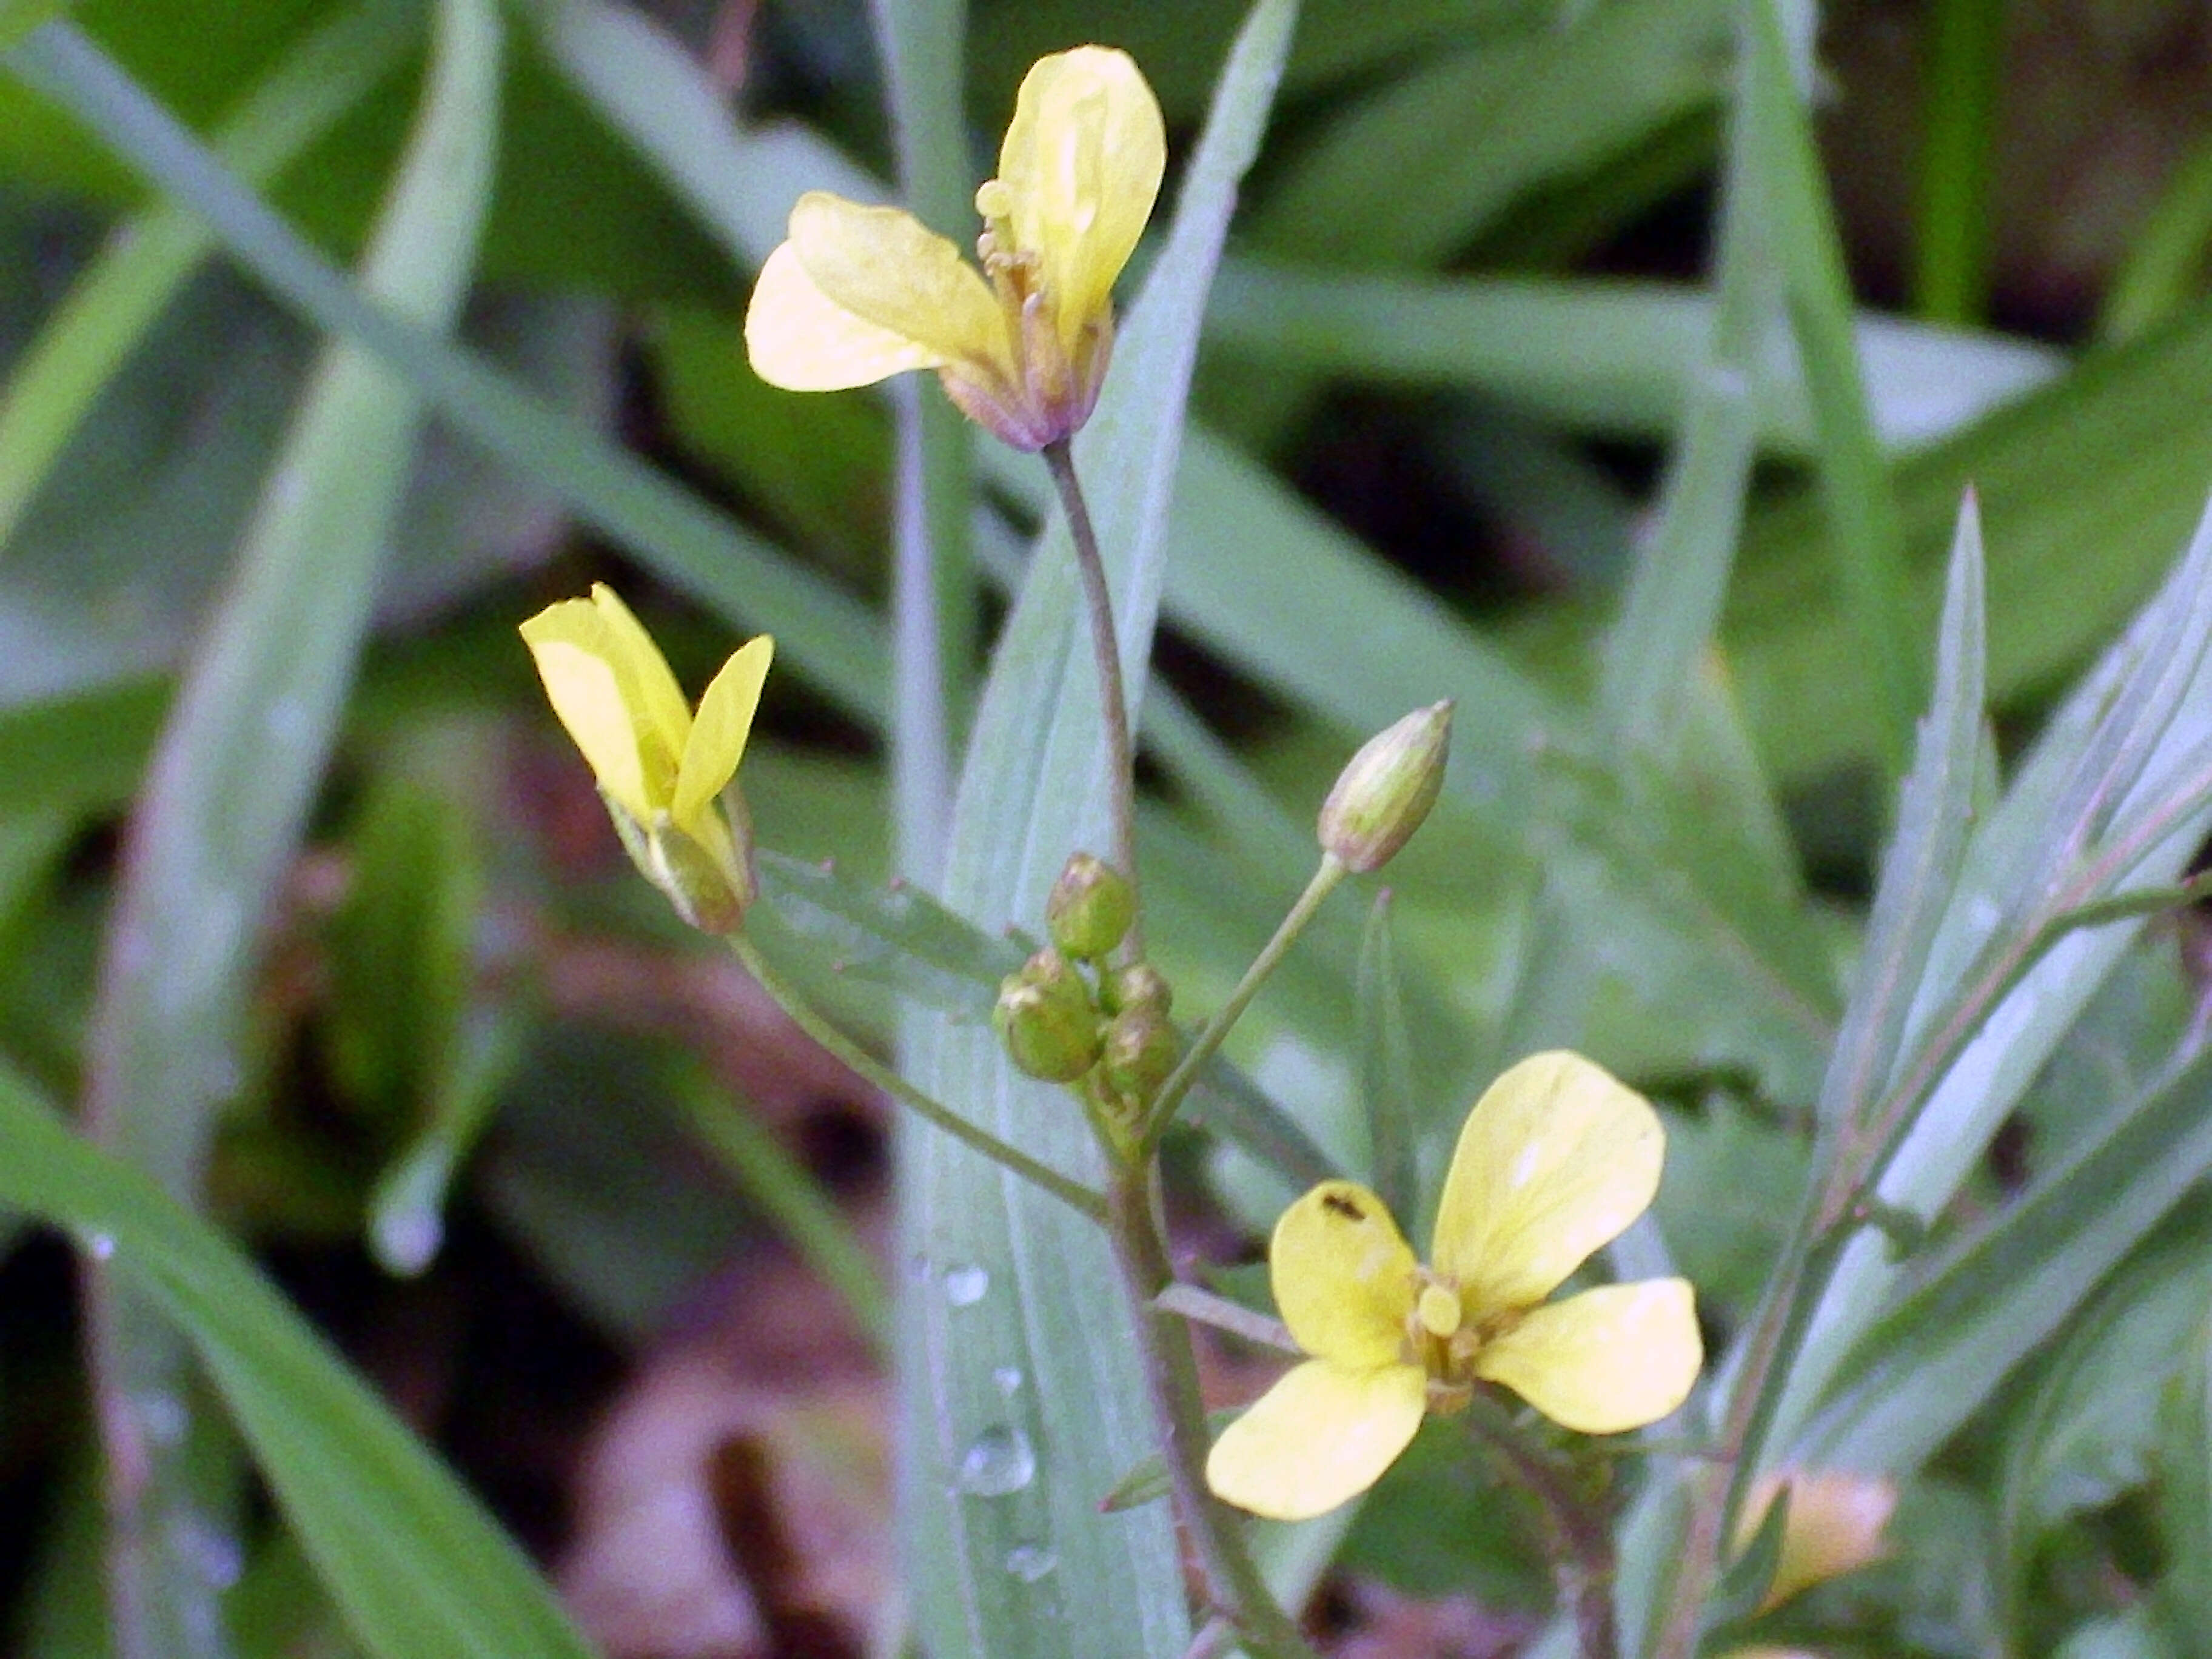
[
  {"x": 964, "y": 1286},
  {"x": 999, "y": 1461}
]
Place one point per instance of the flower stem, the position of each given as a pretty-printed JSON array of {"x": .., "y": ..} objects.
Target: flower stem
[
  {"x": 1106, "y": 652},
  {"x": 1325, "y": 880},
  {"x": 1233, "y": 1584},
  {"x": 1582, "y": 1543},
  {"x": 852, "y": 1055}
]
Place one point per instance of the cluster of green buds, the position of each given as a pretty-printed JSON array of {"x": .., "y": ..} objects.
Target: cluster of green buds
[{"x": 1073, "y": 1014}]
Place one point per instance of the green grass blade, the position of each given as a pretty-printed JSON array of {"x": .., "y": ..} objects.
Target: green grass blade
[
  {"x": 824, "y": 632},
  {"x": 1867, "y": 535},
  {"x": 147, "y": 258},
  {"x": 2001, "y": 1293},
  {"x": 1965, "y": 66},
  {"x": 770, "y": 1178},
  {"x": 2135, "y": 733},
  {"x": 1673, "y": 601},
  {"x": 2086, "y": 486},
  {"x": 1006, "y": 1287},
  {"x": 2163, "y": 268},
  {"x": 419, "y": 1570},
  {"x": 1920, "y": 870},
  {"x": 933, "y": 615},
  {"x": 234, "y": 773},
  {"x": 1607, "y": 355}
]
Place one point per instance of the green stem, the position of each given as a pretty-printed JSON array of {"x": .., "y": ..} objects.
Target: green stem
[
  {"x": 1106, "y": 652},
  {"x": 1178, "y": 1085},
  {"x": 852, "y": 1055},
  {"x": 1233, "y": 1587}
]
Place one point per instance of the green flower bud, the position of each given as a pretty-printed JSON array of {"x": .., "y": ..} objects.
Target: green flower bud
[
  {"x": 1090, "y": 907},
  {"x": 1386, "y": 791},
  {"x": 1140, "y": 984},
  {"x": 1046, "y": 1019},
  {"x": 1141, "y": 1050}
]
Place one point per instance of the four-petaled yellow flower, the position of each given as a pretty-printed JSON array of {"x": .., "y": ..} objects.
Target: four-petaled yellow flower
[
  {"x": 1557, "y": 1159},
  {"x": 662, "y": 770},
  {"x": 858, "y": 293}
]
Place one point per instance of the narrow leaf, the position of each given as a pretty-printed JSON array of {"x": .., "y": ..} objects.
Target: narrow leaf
[{"x": 418, "y": 1568}]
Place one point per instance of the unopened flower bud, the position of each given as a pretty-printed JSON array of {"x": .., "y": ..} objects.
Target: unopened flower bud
[
  {"x": 1140, "y": 984},
  {"x": 1835, "y": 1525},
  {"x": 1141, "y": 1049},
  {"x": 1090, "y": 907},
  {"x": 1387, "y": 789},
  {"x": 1046, "y": 1019}
]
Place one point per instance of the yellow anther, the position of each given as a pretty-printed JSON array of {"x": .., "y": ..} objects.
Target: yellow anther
[{"x": 1438, "y": 1309}]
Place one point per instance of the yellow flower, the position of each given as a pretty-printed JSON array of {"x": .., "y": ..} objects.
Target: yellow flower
[
  {"x": 858, "y": 293},
  {"x": 1556, "y": 1159},
  {"x": 661, "y": 770},
  {"x": 1835, "y": 1525}
]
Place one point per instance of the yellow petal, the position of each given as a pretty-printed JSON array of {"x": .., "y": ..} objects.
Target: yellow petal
[
  {"x": 1321, "y": 1435},
  {"x": 1613, "y": 1359},
  {"x": 1557, "y": 1159},
  {"x": 799, "y": 338},
  {"x": 886, "y": 268},
  {"x": 655, "y": 697},
  {"x": 1081, "y": 164},
  {"x": 1343, "y": 1276},
  {"x": 586, "y": 693},
  {"x": 717, "y": 737}
]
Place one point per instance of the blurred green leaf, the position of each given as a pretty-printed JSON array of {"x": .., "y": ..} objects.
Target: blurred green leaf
[
  {"x": 417, "y": 1567},
  {"x": 19, "y": 17},
  {"x": 1478, "y": 125},
  {"x": 52, "y": 385},
  {"x": 2085, "y": 488},
  {"x": 2181, "y": 1464},
  {"x": 1441, "y": 1523},
  {"x": 779, "y": 1184},
  {"x": 402, "y": 946},
  {"x": 2086, "y": 1432},
  {"x": 233, "y": 776},
  {"x": 1721, "y": 1206}
]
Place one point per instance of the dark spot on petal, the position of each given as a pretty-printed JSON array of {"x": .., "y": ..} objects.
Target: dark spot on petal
[{"x": 1338, "y": 1203}]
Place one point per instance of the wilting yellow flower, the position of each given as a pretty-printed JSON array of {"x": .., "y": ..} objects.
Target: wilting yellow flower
[
  {"x": 1834, "y": 1526},
  {"x": 1556, "y": 1159},
  {"x": 858, "y": 293},
  {"x": 661, "y": 769}
]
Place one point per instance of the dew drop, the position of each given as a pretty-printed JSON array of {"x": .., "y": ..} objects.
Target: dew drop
[
  {"x": 964, "y": 1286},
  {"x": 998, "y": 1462},
  {"x": 1009, "y": 1379},
  {"x": 1030, "y": 1562},
  {"x": 164, "y": 1417},
  {"x": 208, "y": 1550},
  {"x": 99, "y": 1246}
]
